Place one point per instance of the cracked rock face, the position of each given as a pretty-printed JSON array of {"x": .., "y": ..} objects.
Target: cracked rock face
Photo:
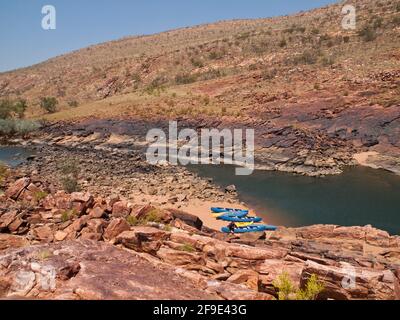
[
  {"x": 88, "y": 270},
  {"x": 96, "y": 254}
]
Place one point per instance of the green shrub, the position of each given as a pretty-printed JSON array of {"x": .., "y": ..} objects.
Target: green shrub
[
  {"x": 12, "y": 109},
  {"x": 327, "y": 61},
  {"x": 307, "y": 57},
  {"x": 70, "y": 184},
  {"x": 70, "y": 172},
  {"x": 269, "y": 74},
  {"x": 68, "y": 215},
  {"x": 197, "y": 63},
  {"x": 377, "y": 22},
  {"x": 288, "y": 291},
  {"x": 216, "y": 54},
  {"x": 136, "y": 77},
  {"x": 367, "y": 33},
  {"x": 185, "y": 78},
  {"x": 49, "y": 104},
  {"x": 315, "y": 31},
  {"x": 40, "y": 195},
  {"x": 187, "y": 248},
  {"x": 69, "y": 167},
  {"x": 5, "y": 109},
  {"x": 153, "y": 215},
  {"x": 259, "y": 48},
  {"x": 285, "y": 287},
  {"x": 346, "y": 39},
  {"x": 19, "y": 108},
  {"x": 209, "y": 75},
  {"x": 133, "y": 221},
  {"x": 312, "y": 289},
  {"x": 24, "y": 127},
  {"x": 11, "y": 127},
  {"x": 7, "y": 127},
  {"x": 73, "y": 103},
  {"x": 156, "y": 86}
]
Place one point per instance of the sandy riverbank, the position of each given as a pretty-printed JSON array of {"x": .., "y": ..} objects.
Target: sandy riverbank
[{"x": 362, "y": 158}]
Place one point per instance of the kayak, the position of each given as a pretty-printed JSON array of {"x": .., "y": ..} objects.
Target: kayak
[
  {"x": 252, "y": 228},
  {"x": 239, "y": 219},
  {"x": 243, "y": 224},
  {"x": 229, "y": 210},
  {"x": 231, "y": 214}
]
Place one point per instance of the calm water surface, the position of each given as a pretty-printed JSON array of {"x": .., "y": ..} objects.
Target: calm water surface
[
  {"x": 13, "y": 156},
  {"x": 360, "y": 196}
]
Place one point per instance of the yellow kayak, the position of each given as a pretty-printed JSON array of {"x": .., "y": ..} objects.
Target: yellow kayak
[{"x": 243, "y": 224}]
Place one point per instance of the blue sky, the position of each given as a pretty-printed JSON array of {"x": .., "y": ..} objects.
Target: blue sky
[{"x": 86, "y": 22}]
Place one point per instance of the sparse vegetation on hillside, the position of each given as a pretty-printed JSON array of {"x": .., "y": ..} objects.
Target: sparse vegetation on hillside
[
  {"x": 49, "y": 104},
  {"x": 12, "y": 109},
  {"x": 194, "y": 60},
  {"x": 11, "y": 119}
]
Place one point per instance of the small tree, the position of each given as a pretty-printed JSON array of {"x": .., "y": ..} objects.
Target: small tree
[{"x": 49, "y": 104}]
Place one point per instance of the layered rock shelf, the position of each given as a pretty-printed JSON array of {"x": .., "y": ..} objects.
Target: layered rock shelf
[{"x": 55, "y": 245}]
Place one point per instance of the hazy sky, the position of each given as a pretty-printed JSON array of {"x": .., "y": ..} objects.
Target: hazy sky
[{"x": 84, "y": 22}]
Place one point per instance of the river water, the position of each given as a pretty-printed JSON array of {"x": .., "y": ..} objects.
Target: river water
[
  {"x": 13, "y": 156},
  {"x": 358, "y": 197}
]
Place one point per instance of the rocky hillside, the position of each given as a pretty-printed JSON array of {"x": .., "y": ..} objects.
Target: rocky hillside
[
  {"x": 316, "y": 94},
  {"x": 55, "y": 245}
]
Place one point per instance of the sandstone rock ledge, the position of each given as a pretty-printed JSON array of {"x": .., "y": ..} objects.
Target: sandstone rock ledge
[{"x": 74, "y": 246}]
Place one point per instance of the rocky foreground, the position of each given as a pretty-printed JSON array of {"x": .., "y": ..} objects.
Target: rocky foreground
[{"x": 55, "y": 245}]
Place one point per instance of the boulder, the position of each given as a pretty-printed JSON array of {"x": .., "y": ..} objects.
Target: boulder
[
  {"x": 81, "y": 202},
  {"x": 187, "y": 218},
  {"x": 96, "y": 226},
  {"x": 60, "y": 235},
  {"x": 11, "y": 241},
  {"x": 231, "y": 189},
  {"x": 116, "y": 227},
  {"x": 249, "y": 278},
  {"x": 7, "y": 218},
  {"x": 252, "y": 253},
  {"x": 348, "y": 282},
  {"x": 142, "y": 239},
  {"x": 232, "y": 291},
  {"x": 121, "y": 209},
  {"x": 271, "y": 269},
  {"x": 179, "y": 258},
  {"x": 97, "y": 213},
  {"x": 44, "y": 234},
  {"x": 14, "y": 191}
]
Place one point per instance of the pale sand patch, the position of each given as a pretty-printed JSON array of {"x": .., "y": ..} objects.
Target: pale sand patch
[
  {"x": 117, "y": 139},
  {"x": 199, "y": 208},
  {"x": 362, "y": 158},
  {"x": 202, "y": 209}
]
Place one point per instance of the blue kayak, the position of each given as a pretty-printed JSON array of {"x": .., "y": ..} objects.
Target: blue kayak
[
  {"x": 252, "y": 228},
  {"x": 227, "y": 210},
  {"x": 239, "y": 219}
]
